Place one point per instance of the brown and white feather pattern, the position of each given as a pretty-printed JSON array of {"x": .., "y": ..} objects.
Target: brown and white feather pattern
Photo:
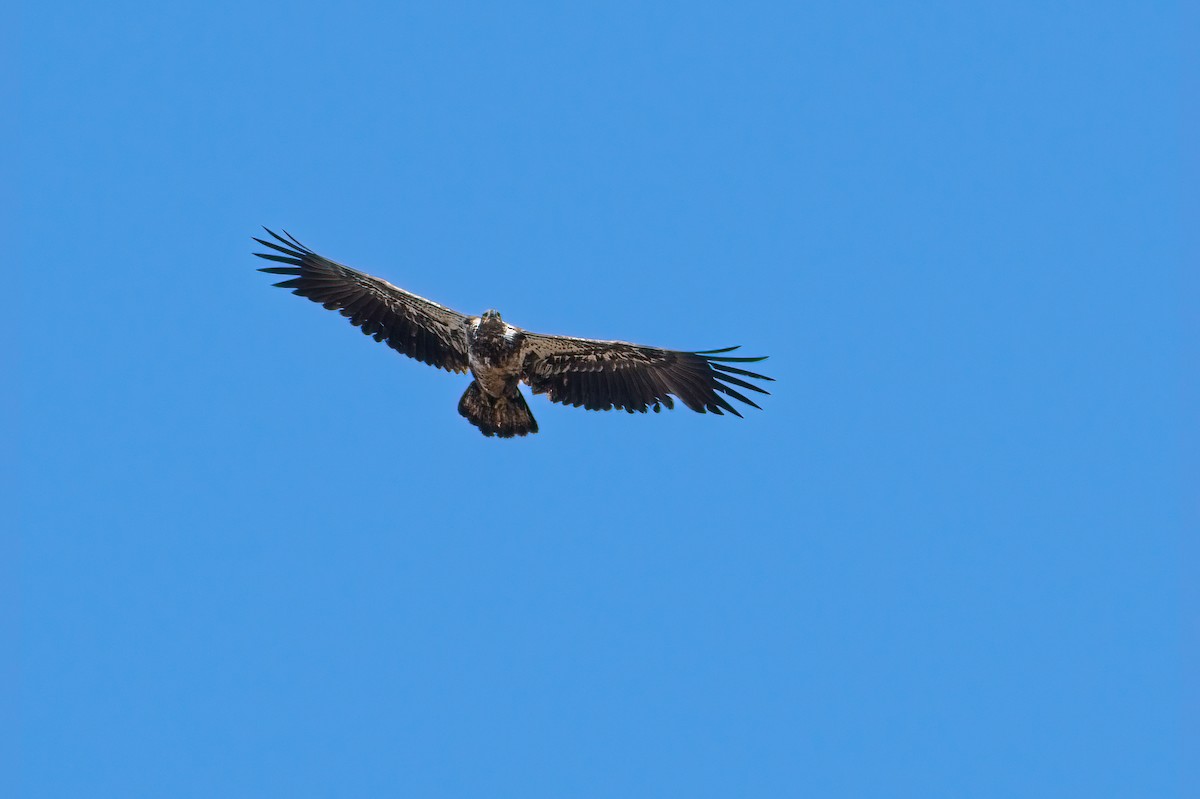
[
  {"x": 412, "y": 325},
  {"x": 601, "y": 375},
  {"x": 597, "y": 375}
]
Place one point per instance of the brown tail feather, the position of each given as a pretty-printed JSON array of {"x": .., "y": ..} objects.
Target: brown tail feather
[{"x": 505, "y": 417}]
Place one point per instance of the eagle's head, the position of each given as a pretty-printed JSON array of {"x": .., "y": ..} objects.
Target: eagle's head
[{"x": 491, "y": 317}]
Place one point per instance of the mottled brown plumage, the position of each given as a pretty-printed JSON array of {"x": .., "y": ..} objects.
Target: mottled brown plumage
[{"x": 596, "y": 375}]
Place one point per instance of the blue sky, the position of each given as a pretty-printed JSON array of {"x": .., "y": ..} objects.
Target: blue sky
[{"x": 260, "y": 555}]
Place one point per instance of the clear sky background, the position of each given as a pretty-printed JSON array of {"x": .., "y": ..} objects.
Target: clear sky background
[{"x": 261, "y": 555}]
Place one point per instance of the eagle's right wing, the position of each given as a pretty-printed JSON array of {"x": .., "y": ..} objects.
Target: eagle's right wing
[{"x": 411, "y": 325}]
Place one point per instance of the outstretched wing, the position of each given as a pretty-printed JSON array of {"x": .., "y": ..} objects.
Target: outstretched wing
[
  {"x": 600, "y": 375},
  {"x": 409, "y": 324}
]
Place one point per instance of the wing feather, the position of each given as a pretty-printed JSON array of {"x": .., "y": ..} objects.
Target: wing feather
[
  {"x": 411, "y": 325},
  {"x": 601, "y": 375}
]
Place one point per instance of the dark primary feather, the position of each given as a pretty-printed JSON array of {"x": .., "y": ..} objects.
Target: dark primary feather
[
  {"x": 601, "y": 375},
  {"x": 409, "y": 324}
]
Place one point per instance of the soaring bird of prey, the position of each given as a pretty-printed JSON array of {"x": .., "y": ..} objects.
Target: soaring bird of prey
[{"x": 598, "y": 375}]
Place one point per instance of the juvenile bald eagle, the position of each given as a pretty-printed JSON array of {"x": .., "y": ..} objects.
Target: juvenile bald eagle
[{"x": 598, "y": 375}]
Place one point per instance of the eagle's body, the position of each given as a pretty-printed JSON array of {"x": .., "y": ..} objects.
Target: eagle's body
[
  {"x": 494, "y": 353},
  {"x": 598, "y": 375},
  {"x": 493, "y": 403}
]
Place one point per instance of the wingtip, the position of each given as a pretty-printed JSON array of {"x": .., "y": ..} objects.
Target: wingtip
[
  {"x": 286, "y": 239},
  {"x": 296, "y": 242},
  {"x": 727, "y": 359}
]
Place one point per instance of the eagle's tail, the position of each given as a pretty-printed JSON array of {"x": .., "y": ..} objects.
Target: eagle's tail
[{"x": 506, "y": 416}]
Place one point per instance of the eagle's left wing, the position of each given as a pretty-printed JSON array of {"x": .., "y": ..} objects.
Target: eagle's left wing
[{"x": 601, "y": 375}]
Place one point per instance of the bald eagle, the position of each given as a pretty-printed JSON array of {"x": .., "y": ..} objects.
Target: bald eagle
[{"x": 598, "y": 375}]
